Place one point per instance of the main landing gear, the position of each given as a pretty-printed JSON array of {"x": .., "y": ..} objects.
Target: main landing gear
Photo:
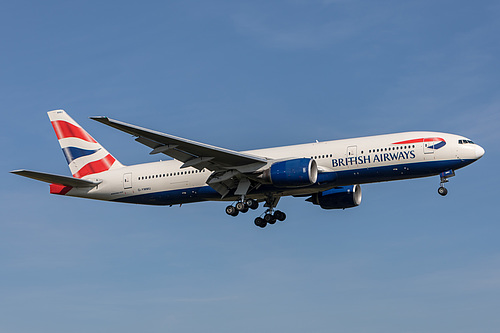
[
  {"x": 242, "y": 206},
  {"x": 269, "y": 217},
  {"x": 444, "y": 179}
]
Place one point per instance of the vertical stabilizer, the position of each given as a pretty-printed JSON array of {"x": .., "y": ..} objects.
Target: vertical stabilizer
[{"x": 85, "y": 155}]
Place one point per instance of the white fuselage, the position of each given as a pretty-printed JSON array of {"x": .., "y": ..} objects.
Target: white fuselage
[{"x": 340, "y": 162}]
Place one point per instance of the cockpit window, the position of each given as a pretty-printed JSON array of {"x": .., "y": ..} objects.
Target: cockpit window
[{"x": 463, "y": 142}]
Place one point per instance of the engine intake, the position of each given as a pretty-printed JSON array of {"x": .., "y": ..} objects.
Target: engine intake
[
  {"x": 298, "y": 172},
  {"x": 338, "y": 198}
]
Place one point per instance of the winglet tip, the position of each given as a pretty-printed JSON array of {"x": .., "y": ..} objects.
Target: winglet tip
[{"x": 99, "y": 118}]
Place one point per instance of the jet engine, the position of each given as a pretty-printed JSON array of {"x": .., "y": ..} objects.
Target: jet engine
[
  {"x": 292, "y": 173},
  {"x": 338, "y": 198}
]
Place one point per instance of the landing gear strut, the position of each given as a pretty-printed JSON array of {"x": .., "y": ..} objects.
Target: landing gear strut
[{"x": 444, "y": 179}]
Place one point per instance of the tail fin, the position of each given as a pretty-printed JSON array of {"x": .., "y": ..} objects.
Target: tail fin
[{"x": 85, "y": 155}]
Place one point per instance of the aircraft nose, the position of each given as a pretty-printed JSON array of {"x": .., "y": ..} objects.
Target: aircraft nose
[{"x": 479, "y": 152}]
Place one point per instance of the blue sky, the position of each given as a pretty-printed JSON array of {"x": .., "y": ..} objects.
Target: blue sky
[{"x": 245, "y": 75}]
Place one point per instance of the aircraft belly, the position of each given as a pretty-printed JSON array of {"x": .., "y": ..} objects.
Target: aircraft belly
[{"x": 172, "y": 197}]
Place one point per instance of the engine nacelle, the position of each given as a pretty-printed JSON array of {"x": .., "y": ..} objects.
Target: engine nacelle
[
  {"x": 338, "y": 198},
  {"x": 293, "y": 173}
]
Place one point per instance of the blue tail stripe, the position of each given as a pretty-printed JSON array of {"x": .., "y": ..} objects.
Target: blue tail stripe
[{"x": 72, "y": 153}]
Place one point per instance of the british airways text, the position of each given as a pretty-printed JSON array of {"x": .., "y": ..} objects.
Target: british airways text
[{"x": 378, "y": 158}]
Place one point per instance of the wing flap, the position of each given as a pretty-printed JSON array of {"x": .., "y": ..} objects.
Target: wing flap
[{"x": 55, "y": 179}]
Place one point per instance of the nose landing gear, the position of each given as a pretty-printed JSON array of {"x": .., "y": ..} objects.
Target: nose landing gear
[{"x": 444, "y": 179}]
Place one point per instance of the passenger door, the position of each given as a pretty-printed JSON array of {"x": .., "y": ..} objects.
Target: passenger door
[
  {"x": 428, "y": 151},
  {"x": 351, "y": 154},
  {"x": 127, "y": 180}
]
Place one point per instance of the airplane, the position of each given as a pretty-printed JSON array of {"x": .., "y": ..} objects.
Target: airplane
[{"x": 327, "y": 174}]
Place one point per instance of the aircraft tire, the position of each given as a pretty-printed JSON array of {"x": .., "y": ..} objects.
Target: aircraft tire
[
  {"x": 242, "y": 207},
  {"x": 231, "y": 210},
  {"x": 269, "y": 218},
  {"x": 259, "y": 222},
  {"x": 279, "y": 215},
  {"x": 253, "y": 204},
  {"x": 442, "y": 191}
]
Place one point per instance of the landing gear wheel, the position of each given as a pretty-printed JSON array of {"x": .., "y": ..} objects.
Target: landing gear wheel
[
  {"x": 442, "y": 191},
  {"x": 231, "y": 210},
  {"x": 253, "y": 204},
  {"x": 241, "y": 207},
  {"x": 279, "y": 215},
  {"x": 260, "y": 222},
  {"x": 269, "y": 218}
]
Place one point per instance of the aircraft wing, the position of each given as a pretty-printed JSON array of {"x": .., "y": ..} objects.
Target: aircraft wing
[
  {"x": 55, "y": 179},
  {"x": 193, "y": 154}
]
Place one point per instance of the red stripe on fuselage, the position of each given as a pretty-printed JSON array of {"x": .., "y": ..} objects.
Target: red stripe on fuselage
[
  {"x": 95, "y": 167},
  {"x": 418, "y": 140},
  {"x": 64, "y": 129}
]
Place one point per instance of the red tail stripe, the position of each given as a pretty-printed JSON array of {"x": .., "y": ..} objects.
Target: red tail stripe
[
  {"x": 95, "y": 167},
  {"x": 64, "y": 129},
  {"x": 418, "y": 140}
]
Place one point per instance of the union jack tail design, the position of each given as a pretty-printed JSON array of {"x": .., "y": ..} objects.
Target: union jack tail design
[{"x": 85, "y": 155}]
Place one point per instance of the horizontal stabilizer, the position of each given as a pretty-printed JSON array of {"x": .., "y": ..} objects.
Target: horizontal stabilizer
[{"x": 55, "y": 179}]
